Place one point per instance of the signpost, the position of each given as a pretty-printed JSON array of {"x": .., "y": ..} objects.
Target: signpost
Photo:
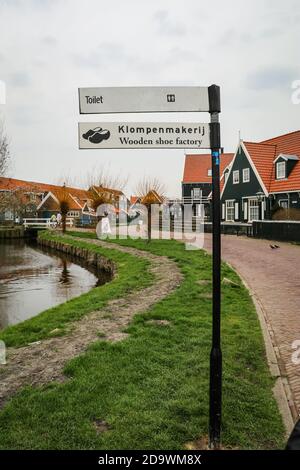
[
  {"x": 108, "y": 100},
  {"x": 137, "y": 135},
  {"x": 143, "y": 135}
]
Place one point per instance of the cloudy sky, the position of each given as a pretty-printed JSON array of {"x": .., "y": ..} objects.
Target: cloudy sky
[{"x": 49, "y": 48}]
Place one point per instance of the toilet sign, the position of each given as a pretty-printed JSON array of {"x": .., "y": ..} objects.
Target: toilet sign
[
  {"x": 143, "y": 99},
  {"x": 143, "y": 135}
]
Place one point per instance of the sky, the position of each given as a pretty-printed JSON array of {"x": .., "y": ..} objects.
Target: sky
[{"x": 50, "y": 48}]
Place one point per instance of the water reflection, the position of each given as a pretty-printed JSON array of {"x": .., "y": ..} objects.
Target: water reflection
[
  {"x": 65, "y": 274},
  {"x": 33, "y": 279}
]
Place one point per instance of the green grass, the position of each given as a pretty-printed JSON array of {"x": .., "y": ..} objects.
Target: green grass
[
  {"x": 152, "y": 388},
  {"x": 61, "y": 317}
]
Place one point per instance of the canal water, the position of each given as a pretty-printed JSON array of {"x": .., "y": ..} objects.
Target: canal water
[{"x": 33, "y": 279}]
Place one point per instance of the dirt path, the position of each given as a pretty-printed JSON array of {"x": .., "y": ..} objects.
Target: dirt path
[
  {"x": 273, "y": 275},
  {"x": 43, "y": 362}
]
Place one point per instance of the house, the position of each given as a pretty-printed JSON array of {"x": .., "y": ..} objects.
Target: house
[
  {"x": 78, "y": 201},
  {"x": 28, "y": 199},
  {"x": 20, "y": 198},
  {"x": 197, "y": 179},
  {"x": 262, "y": 177},
  {"x": 109, "y": 195}
]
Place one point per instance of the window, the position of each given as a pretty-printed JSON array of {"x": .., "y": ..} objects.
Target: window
[
  {"x": 253, "y": 209},
  {"x": 230, "y": 211},
  {"x": 245, "y": 210},
  {"x": 209, "y": 172},
  {"x": 246, "y": 175},
  {"x": 284, "y": 203},
  {"x": 32, "y": 197},
  {"x": 226, "y": 175},
  {"x": 236, "y": 177},
  {"x": 197, "y": 193},
  {"x": 73, "y": 214},
  {"x": 280, "y": 170},
  {"x": 236, "y": 211},
  {"x": 8, "y": 215}
]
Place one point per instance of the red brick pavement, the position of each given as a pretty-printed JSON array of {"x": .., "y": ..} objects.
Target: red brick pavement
[{"x": 274, "y": 278}]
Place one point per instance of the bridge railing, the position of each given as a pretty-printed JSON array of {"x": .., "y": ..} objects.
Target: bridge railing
[{"x": 45, "y": 222}]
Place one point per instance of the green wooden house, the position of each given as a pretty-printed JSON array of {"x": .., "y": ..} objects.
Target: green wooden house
[{"x": 261, "y": 178}]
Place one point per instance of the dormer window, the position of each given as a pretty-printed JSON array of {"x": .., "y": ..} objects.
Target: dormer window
[{"x": 280, "y": 170}]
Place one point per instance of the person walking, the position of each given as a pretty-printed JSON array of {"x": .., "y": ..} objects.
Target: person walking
[
  {"x": 53, "y": 221},
  {"x": 58, "y": 218}
]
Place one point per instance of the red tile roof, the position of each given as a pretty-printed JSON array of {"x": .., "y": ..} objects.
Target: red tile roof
[
  {"x": 76, "y": 196},
  {"x": 263, "y": 155},
  {"x": 10, "y": 184},
  {"x": 287, "y": 144},
  {"x": 101, "y": 189},
  {"x": 196, "y": 167},
  {"x": 133, "y": 199}
]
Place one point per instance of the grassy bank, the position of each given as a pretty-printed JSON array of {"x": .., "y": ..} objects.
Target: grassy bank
[
  {"x": 152, "y": 388},
  {"x": 57, "y": 320}
]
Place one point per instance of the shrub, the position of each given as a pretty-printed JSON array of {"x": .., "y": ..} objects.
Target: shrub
[{"x": 286, "y": 214}]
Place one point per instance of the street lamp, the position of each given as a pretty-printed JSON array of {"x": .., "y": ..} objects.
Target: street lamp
[{"x": 260, "y": 195}]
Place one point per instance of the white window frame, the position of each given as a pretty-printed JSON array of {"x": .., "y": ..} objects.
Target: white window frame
[
  {"x": 197, "y": 193},
  {"x": 74, "y": 214},
  {"x": 246, "y": 175},
  {"x": 223, "y": 211},
  {"x": 209, "y": 172},
  {"x": 236, "y": 173},
  {"x": 245, "y": 209},
  {"x": 253, "y": 209},
  {"x": 229, "y": 204},
  {"x": 285, "y": 201},
  {"x": 280, "y": 170},
  {"x": 236, "y": 210}
]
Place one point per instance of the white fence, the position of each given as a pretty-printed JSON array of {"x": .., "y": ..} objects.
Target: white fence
[
  {"x": 45, "y": 223},
  {"x": 189, "y": 200}
]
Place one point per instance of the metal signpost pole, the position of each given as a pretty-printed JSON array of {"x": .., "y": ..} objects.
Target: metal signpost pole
[
  {"x": 136, "y": 135},
  {"x": 215, "y": 391}
]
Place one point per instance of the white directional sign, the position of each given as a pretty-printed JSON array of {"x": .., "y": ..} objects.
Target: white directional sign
[
  {"x": 143, "y": 99},
  {"x": 143, "y": 135}
]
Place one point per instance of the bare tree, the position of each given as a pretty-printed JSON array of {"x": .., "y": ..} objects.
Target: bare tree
[
  {"x": 4, "y": 152},
  {"x": 63, "y": 198},
  {"x": 150, "y": 185},
  {"x": 66, "y": 180},
  {"x": 101, "y": 177},
  {"x": 150, "y": 191},
  {"x": 18, "y": 202}
]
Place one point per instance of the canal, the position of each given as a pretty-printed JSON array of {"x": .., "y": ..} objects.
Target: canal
[{"x": 33, "y": 279}]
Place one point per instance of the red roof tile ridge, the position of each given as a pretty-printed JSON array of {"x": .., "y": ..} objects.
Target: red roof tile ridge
[
  {"x": 280, "y": 136},
  {"x": 259, "y": 143}
]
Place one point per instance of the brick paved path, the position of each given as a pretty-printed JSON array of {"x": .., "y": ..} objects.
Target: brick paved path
[{"x": 274, "y": 278}]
